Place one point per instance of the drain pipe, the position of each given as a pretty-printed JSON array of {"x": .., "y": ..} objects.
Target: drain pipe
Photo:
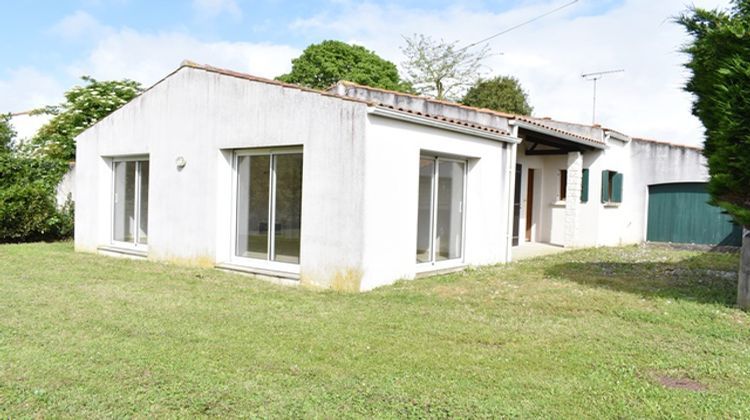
[{"x": 510, "y": 193}]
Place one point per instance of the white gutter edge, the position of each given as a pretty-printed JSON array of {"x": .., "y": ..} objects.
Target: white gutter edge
[
  {"x": 416, "y": 119},
  {"x": 553, "y": 133},
  {"x": 510, "y": 197}
]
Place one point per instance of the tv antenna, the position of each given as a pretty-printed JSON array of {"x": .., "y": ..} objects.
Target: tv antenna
[{"x": 593, "y": 77}]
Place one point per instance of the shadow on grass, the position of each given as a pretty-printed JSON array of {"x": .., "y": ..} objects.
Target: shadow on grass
[{"x": 698, "y": 279}]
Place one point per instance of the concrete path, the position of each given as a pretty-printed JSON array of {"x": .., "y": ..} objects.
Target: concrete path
[{"x": 535, "y": 249}]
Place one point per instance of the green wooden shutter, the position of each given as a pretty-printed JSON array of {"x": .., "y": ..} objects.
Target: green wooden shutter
[
  {"x": 585, "y": 186},
  {"x": 617, "y": 188},
  {"x": 605, "y": 186}
]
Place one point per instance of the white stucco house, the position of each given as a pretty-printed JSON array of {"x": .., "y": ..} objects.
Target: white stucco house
[{"x": 353, "y": 188}]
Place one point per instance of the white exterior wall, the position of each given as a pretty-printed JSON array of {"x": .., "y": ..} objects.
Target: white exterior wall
[
  {"x": 549, "y": 212},
  {"x": 656, "y": 163},
  {"x": 360, "y": 177},
  {"x": 65, "y": 188},
  {"x": 391, "y": 197},
  {"x": 202, "y": 116},
  {"x": 613, "y": 220},
  {"x": 642, "y": 163}
]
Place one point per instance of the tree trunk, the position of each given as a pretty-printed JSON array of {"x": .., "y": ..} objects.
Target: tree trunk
[{"x": 743, "y": 290}]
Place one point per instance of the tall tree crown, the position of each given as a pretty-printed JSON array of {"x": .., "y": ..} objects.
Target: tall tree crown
[
  {"x": 719, "y": 60},
  {"x": 322, "y": 65},
  {"x": 83, "y": 107},
  {"x": 501, "y": 93},
  {"x": 441, "y": 69}
]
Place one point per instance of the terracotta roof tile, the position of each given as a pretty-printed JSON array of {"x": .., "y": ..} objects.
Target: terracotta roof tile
[
  {"x": 506, "y": 115},
  {"x": 429, "y": 99},
  {"x": 447, "y": 119}
]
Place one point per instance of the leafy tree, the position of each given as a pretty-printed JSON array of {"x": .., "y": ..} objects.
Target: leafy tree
[
  {"x": 83, "y": 107},
  {"x": 322, "y": 65},
  {"x": 28, "y": 209},
  {"x": 720, "y": 63},
  {"x": 441, "y": 69},
  {"x": 502, "y": 93},
  {"x": 7, "y": 134}
]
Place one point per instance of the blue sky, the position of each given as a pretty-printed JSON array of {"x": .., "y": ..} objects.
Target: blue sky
[
  {"x": 31, "y": 24},
  {"x": 52, "y": 43}
]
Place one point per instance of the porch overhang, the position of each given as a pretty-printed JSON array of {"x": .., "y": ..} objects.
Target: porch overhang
[{"x": 553, "y": 141}]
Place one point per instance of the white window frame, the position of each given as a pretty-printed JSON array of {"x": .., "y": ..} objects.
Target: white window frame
[
  {"x": 433, "y": 264},
  {"x": 262, "y": 264},
  {"x": 137, "y": 203}
]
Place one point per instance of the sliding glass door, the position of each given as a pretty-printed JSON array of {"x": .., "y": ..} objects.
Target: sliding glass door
[
  {"x": 130, "y": 213},
  {"x": 440, "y": 219},
  {"x": 269, "y": 206}
]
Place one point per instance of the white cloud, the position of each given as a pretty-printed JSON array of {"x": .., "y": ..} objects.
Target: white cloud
[
  {"x": 214, "y": 8},
  {"x": 126, "y": 53},
  {"x": 549, "y": 56},
  {"x": 26, "y": 88},
  {"x": 149, "y": 57},
  {"x": 78, "y": 25},
  {"x": 27, "y": 125}
]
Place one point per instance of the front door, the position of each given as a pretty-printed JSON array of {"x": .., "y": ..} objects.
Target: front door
[
  {"x": 517, "y": 204},
  {"x": 529, "y": 204}
]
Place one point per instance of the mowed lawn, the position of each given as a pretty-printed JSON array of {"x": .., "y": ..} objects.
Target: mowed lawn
[{"x": 621, "y": 332}]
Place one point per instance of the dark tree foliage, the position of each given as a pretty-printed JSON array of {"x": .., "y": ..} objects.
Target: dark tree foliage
[
  {"x": 322, "y": 65},
  {"x": 502, "y": 93},
  {"x": 720, "y": 64}
]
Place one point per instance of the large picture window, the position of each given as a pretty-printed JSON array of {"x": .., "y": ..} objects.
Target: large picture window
[
  {"x": 269, "y": 206},
  {"x": 130, "y": 215},
  {"x": 440, "y": 220}
]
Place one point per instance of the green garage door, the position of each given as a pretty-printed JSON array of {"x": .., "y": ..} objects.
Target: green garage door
[{"x": 680, "y": 213}]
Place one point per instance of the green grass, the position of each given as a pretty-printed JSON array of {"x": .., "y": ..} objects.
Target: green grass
[{"x": 581, "y": 334}]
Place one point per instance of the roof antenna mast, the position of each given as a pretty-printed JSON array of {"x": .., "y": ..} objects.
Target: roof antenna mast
[{"x": 593, "y": 77}]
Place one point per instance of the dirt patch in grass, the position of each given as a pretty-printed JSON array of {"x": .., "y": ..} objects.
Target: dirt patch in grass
[{"x": 680, "y": 383}]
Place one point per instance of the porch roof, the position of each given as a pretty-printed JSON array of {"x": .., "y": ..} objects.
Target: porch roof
[{"x": 537, "y": 132}]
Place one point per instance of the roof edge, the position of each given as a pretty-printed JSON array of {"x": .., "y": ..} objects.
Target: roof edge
[
  {"x": 617, "y": 135},
  {"x": 249, "y": 77},
  {"x": 449, "y": 126},
  {"x": 665, "y": 143},
  {"x": 429, "y": 99},
  {"x": 558, "y": 133}
]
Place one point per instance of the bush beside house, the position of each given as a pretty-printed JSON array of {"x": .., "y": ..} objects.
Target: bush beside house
[
  {"x": 28, "y": 209},
  {"x": 30, "y": 172}
]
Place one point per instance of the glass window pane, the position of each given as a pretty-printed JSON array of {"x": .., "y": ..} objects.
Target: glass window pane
[
  {"x": 424, "y": 215},
  {"x": 288, "y": 211},
  {"x": 252, "y": 206},
  {"x": 124, "y": 202},
  {"x": 143, "y": 204},
  {"x": 450, "y": 196}
]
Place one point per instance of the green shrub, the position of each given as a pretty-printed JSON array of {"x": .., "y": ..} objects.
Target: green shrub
[
  {"x": 28, "y": 213},
  {"x": 28, "y": 208}
]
